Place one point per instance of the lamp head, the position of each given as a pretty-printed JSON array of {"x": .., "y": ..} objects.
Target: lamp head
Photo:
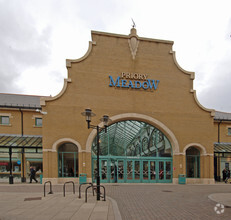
[
  {"x": 105, "y": 120},
  {"x": 88, "y": 114}
]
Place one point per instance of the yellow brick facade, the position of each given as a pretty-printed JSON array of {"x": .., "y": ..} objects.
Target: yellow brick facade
[{"x": 172, "y": 107}]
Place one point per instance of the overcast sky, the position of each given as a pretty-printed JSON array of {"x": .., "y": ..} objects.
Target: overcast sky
[{"x": 36, "y": 38}]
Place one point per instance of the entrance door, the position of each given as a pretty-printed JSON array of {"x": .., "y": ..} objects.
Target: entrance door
[
  {"x": 152, "y": 174},
  {"x": 146, "y": 171},
  {"x": 104, "y": 171},
  {"x": 137, "y": 171},
  {"x": 113, "y": 171},
  {"x": 120, "y": 171},
  {"x": 129, "y": 171},
  {"x": 164, "y": 171},
  {"x": 168, "y": 171},
  {"x": 134, "y": 171},
  {"x": 149, "y": 171}
]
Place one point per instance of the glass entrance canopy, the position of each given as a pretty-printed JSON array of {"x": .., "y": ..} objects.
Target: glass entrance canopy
[{"x": 133, "y": 139}]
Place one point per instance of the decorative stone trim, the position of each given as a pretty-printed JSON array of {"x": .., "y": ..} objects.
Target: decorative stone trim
[
  {"x": 200, "y": 181},
  {"x": 133, "y": 43},
  {"x": 176, "y": 154},
  {"x": 69, "y": 61},
  {"x": 49, "y": 150},
  {"x": 212, "y": 111},
  {"x": 202, "y": 148},
  {"x": 128, "y": 36},
  {"x": 37, "y": 116},
  {"x": 135, "y": 116},
  {"x": 192, "y": 74},
  {"x": 6, "y": 114},
  {"x": 43, "y": 100},
  {"x": 66, "y": 140},
  {"x": 210, "y": 155}
]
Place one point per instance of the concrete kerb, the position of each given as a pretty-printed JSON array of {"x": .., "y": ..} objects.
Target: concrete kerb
[
  {"x": 116, "y": 211},
  {"x": 222, "y": 198}
]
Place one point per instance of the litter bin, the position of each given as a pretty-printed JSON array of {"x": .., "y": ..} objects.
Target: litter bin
[
  {"x": 182, "y": 179},
  {"x": 41, "y": 178},
  {"x": 82, "y": 178}
]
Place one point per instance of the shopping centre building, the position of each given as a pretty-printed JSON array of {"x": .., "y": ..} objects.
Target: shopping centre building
[{"x": 157, "y": 131}]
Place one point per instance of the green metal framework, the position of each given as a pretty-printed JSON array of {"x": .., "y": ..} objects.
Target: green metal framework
[{"x": 135, "y": 146}]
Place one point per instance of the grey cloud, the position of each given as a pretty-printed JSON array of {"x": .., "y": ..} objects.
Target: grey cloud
[
  {"x": 21, "y": 44},
  {"x": 217, "y": 94}
]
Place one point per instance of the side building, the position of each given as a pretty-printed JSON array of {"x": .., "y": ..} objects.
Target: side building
[
  {"x": 157, "y": 132},
  {"x": 20, "y": 136}
]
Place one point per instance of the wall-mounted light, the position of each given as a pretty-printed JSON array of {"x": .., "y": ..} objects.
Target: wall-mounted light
[{"x": 43, "y": 113}]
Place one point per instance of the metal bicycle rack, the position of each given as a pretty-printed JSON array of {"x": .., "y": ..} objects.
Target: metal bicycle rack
[
  {"x": 64, "y": 189},
  {"x": 91, "y": 185},
  {"x": 51, "y": 192},
  {"x": 95, "y": 187}
]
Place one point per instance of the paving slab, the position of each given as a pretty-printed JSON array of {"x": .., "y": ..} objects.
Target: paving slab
[{"x": 18, "y": 202}]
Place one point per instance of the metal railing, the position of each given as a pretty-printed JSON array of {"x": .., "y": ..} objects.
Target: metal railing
[
  {"x": 95, "y": 187},
  {"x": 51, "y": 192},
  {"x": 64, "y": 189},
  {"x": 91, "y": 185}
]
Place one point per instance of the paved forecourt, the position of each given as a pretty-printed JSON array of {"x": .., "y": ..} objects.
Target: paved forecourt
[
  {"x": 24, "y": 201},
  {"x": 169, "y": 201},
  {"x": 124, "y": 201}
]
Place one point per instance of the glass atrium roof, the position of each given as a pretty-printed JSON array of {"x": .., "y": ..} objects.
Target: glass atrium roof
[
  {"x": 132, "y": 138},
  {"x": 123, "y": 133}
]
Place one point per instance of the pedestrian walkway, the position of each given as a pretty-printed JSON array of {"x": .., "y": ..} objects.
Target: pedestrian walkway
[
  {"x": 222, "y": 198},
  {"x": 19, "y": 202},
  {"x": 135, "y": 202}
]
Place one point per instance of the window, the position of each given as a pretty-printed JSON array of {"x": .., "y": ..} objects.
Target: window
[
  {"x": 193, "y": 162},
  {"x": 4, "y": 120},
  {"x": 229, "y": 131},
  {"x": 68, "y": 160},
  {"x": 38, "y": 122}
]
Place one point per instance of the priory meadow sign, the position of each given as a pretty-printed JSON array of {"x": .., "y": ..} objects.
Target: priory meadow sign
[{"x": 134, "y": 81}]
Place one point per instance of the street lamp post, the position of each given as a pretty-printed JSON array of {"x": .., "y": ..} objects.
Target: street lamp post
[{"x": 88, "y": 114}]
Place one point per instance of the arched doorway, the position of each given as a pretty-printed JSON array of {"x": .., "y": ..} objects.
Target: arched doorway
[
  {"x": 68, "y": 160},
  {"x": 192, "y": 163},
  {"x": 133, "y": 151}
]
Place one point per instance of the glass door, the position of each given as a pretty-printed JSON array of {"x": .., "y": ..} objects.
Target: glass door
[
  {"x": 152, "y": 174},
  {"x": 146, "y": 172},
  {"x": 129, "y": 171},
  {"x": 120, "y": 171},
  {"x": 137, "y": 171},
  {"x": 104, "y": 173},
  {"x": 165, "y": 171},
  {"x": 113, "y": 171},
  {"x": 161, "y": 169},
  {"x": 94, "y": 171},
  {"x": 168, "y": 171}
]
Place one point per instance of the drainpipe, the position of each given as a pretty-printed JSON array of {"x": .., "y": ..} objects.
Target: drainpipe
[
  {"x": 218, "y": 158},
  {"x": 219, "y": 131},
  {"x": 23, "y": 179}
]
